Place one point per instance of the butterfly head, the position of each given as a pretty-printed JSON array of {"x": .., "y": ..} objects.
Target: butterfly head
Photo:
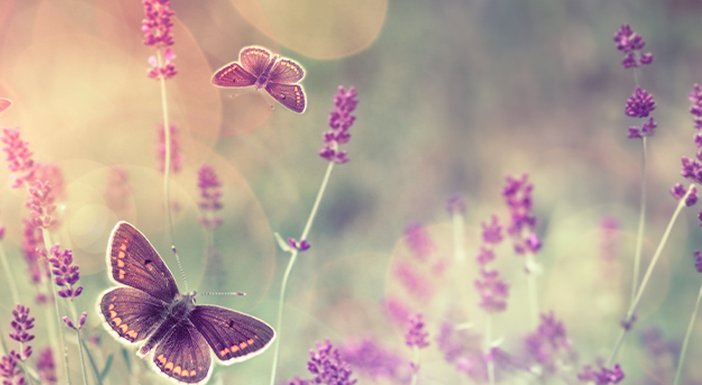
[{"x": 183, "y": 305}]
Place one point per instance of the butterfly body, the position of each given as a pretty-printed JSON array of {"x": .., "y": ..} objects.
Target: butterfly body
[
  {"x": 258, "y": 67},
  {"x": 150, "y": 310}
]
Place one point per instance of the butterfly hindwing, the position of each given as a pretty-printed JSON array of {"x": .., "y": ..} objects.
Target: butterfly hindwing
[
  {"x": 292, "y": 96},
  {"x": 134, "y": 262},
  {"x": 232, "y": 335},
  {"x": 131, "y": 313},
  {"x": 184, "y": 355},
  {"x": 233, "y": 75},
  {"x": 286, "y": 71},
  {"x": 254, "y": 59}
]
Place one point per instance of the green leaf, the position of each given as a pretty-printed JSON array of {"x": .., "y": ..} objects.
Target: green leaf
[
  {"x": 106, "y": 368},
  {"x": 127, "y": 359}
]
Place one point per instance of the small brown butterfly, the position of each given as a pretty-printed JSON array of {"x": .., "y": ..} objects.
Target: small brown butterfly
[{"x": 258, "y": 67}]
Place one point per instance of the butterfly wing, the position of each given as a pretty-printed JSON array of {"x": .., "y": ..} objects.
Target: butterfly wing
[
  {"x": 233, "y": 75},
  {"x": 233, "y": 336},
  {"x": 184, "y": 355},
  {"x": 131, "y": 313},
  {"x": 286, "y": 71},
  {"x": 134, "y": 262},
  {"x": 292, "y": 96},
  {"x": 254, "y": 59},
  {"x": 5, "y": 103}
]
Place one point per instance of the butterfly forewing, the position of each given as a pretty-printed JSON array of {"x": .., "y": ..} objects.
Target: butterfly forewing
[
  {"x": 232, "y": 335},
  {"x": 233, "y": 75},
  {"x": 134, "y": 262},
  {"x": 254, "y": 59},
  {"x": 291, "y": 96},
  {"x": 184, "y": 354},
  {"x": 131, "y": 313},
  {"x": 286, "y": 71}
]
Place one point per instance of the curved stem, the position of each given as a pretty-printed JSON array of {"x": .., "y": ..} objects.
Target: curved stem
[
  {"x": 642, "y": 223},
  {"x": 628, "y": 320},
  {"x": 288, "y": 269},
  {"x": 8, "y": 275},
  {"x": 533, "y": 292},
  {"x": 688, "y": 334},
  {"x": 415, "y": 363},
  {"x": 167, "y": 168}
]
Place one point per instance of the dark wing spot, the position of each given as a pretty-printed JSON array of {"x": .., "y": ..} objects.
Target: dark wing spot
[
  {"x": 230, "y": 323},
  {"x": 147, "y": 262}
]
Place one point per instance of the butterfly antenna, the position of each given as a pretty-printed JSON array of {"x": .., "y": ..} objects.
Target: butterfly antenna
[
  {"x": 180, "y": 267},
  {"x": 234, "y": 293}
]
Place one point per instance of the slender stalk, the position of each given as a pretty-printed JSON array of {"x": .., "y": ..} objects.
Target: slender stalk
[
  {"x": 54, "y": 296},
  {"x": 167, "y": 167},
  {"x": 415, "y": 363},
  {"x": 459, "y": 249},
  {"x": 688, "y": 334},
  {"x": 533, "y": 292},
  {"x": 8, "y": 275},
  {"x": 82, "y": 348},
  {"x": 82, "y": 359},
  {"x": 642, "y": 222},
  {"x": 628, "y": 320},
  {"x": 288, "y": 269},
  {"x": 91, "y": 360},
  {"x": 488, "y": 356}
]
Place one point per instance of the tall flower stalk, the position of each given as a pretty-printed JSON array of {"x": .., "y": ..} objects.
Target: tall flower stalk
[
  {"x": 417, "y": 338},
  {"x": 340, "y": 121},
  {"x": 691, "y": 324},
  {"x": 157, "y": 27}
]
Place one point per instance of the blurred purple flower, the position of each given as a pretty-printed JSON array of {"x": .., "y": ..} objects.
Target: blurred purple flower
[
  {"x": 117, "y": 189},
  {"x": 302, "y": 245},
  {"x": 695, "y": 97},
  {"x": 630, "y": 44},
  {"x": 374, "y": 361},
  {"x": 604, "y": 376},
  {"x": 66, "y": 273},
  {"x": 46, "y": 366},
  {"x": 678, "y": 192},
  {"x": 698, "y": 260},
  {"x": 158, "y": 27},
  {"x": 549, "y": 346},
  {"x": 456, "y": 204},
  {"x": 340, "y": 120},
  {"x": 419, "y": 242},
  {"x": 517, "y": 193},
  {"x": 327, "y": 366},
  {"x": 412, "y": 280},
  {"x": 609, "y": 230},
  {"x": 10, "y": 369},
  {"x": 493, "y": 291},
  {"x": 176, "y": 158},
  {"x": 661, "y": 356},
  {"x": 416, "y": 335},
  {"x": 21, "y": 325},
  {"x": 41, "y": 203},
  {"x": 76, "y": 325},
  {"x": 396, "y": 310},
  {"x": 33, "y": 249},
  {"x": 19, "y": 158},
  {"x": 210, "y": 197},
  {"x": 640, "y": 104},
  {"x": 492, "y": 231},
  {"x": 648, "y": 128}
]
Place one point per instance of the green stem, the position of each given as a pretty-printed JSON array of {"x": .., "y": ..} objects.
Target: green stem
[
  {"x": 642, "y": 223},
  {"x": 459, "y": 250},
  {"x": 488, "y": 356},
  {"x": 629, "y": 319},
  {"x": 533, "y": 292},
  {"x": 8, "y": 275},
  {"x": 167, "y": 167},
  {"x": 288, "y": 269},
  {"x": 54, "y": 298},
  {"x": 82, "y": 359},
  {"x": 415, "y": 362},
  {"x": 91, "y": 360},
  {"x": 688, "y": 334}
]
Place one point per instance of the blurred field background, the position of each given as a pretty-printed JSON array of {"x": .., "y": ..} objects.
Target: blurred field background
[{"x": 454, "y": 96}]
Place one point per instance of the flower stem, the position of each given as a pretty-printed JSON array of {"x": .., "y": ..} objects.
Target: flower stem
[
  {"x": 488, "y": 350},
  {"x": 288, "y": 269},
  {"x": 82, "y": 360},
  {"x": 167, "y": 168},
  {"x": 629, "y": 319},
  {"x": 688, "y": 334},
  {"x": 531, "y": 271},
  {"x": 459, "y": 250},
  {"x": 54, "y": 298},
  {"x": 415, "y": 364},
  {"x": 8, "y": 275},
  {"x": 642, "y": 222}
]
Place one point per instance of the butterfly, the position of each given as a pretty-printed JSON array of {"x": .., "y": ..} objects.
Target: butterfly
[
  {"x": 258, "y": 67},
  {"x": 149, "y": 310},
  {"x": 5, "y": 103}
]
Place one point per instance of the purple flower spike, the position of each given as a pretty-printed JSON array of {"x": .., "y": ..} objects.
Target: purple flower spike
[
  {"x": 419, "y": 241},
  {"x": 456, "y": 204},
  {"x": 493, "y": 291},
  {"x": 65, "y": 273},
  {"x": 630, "y": 44},
  {"x": 492, "y": 231},
  {"x": 21, "y": 324},
  {"x": 157, "y": 27},
  {"x": 10, "y": 369},
  {"x": 696, "y": 107},
  {"x": 416, "y": 335},
  {"x": 46, "y": 366},
  {"x": 340, "y": 120},
  {"x": 302, "y": 245},
  {"x": 698, "y": 260},
  {"x": 210, "y": 197},
  {"x": 81, "y": 321},
  {"x": 19, "y": 158},
  {"x": 604, "y": 376},
  {"x": 373, "y": 360},
  {"x": 549, "y": 346},
  {"x": 328, "y": 367},
  {"x": 640, "y": 104}
]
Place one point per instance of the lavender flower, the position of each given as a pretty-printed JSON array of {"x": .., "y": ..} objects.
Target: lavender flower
[
  {"x": 631, "y": 44},
  {"x": 456, "y": 204},
  {"x": 340, "y": 120},
  {"x": 327, "y": 366},
  {"x": 21, "y": 325},
  {"x": 416, "y": 335},
  {"x": 117, "y": 189},
  {"x": 176, "y": 158},
  {"x": 493, "y": 291},
  {"x": 517, "y": 193},
  {"x": 492, "y": 231},
  {"x": 41, "y": 203},
  {"x": 373, "y": 360},
  {"x": 678, "y": 192},
  {"x": 302, "y": 245},
  {"x": 604, "y": 376},
  {"x": 419, "y": 242},
  {"x": 66, "y": 274},
  {"x": 698, "y": 260},
  {"x": 32, "y": 247},
  {"x": 157, "y": 27},
  {"x": 19, "y": 158},
  {"x": 76, "y": 325},
  {"x": 640, "y": 104},
  {"x": 210, "y": 197},
  {"x": 10, "y": 369},
  {"x": 46, "y": 366},
  {"x": 549, "y": 346}
]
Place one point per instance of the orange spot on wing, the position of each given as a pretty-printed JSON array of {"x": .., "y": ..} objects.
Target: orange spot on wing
[
  {"x": 122, "y": 273},
  {"x": 224, "y": 352},
  {"x": 243, "y": 345},
  {"x": 116, "y": 321},
  {"x": 120, "y": 263},
  {"x": 177, "y": 370},
  {"x": 112, "y": 306},
  {"x": 250, "y": 341},
  {"x": 132, "y": 334},
  {"x": 113, "y": 314},
  {"x": 161, "y": 359},
  {"x": 121, "y": 255},
  {"x": 124, "y": 328},
  {"x": 193, "y": 373},
  {"x": 235, "y": 348},
  {"x": 169, "y": 366}
]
